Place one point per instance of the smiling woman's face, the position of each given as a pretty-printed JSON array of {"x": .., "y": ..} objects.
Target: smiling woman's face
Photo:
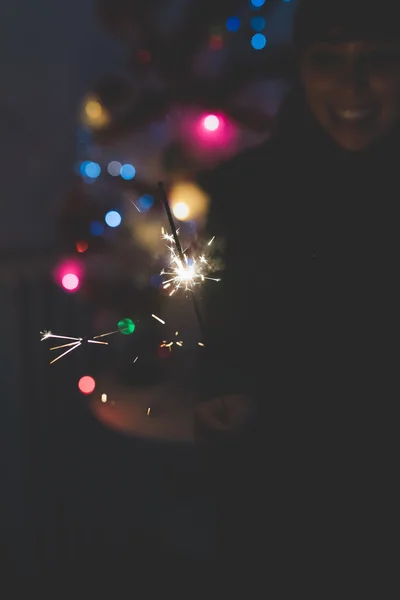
[{"x": 353, "y": 89}]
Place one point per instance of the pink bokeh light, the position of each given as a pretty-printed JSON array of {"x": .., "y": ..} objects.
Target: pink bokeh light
[
  {"x": 70, "y": 282},
  {"x": 68, "y": 274},
  {"x": 86, "y": 384},
  {"x": 211, "y": 123},
  {"x": 206, "y": 136}
]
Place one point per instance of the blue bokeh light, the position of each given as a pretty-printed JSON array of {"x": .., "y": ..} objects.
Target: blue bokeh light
[
  {"x": 258, "y": 23},
  {"x": 257, "y": 3},
  {"x": 82, "y": 167},
  {"x": 258, "y": 41},
  {"x": 233, "y": 24},
  {"x": 127, "y": 172},
  {"x": 91, "y": 169},
  {"x": 113, "y": 218},
  {"x": 145, "y": 202},
  {"x": 96, "y": 228}
]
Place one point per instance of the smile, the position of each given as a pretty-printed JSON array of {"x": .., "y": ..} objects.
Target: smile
[{"x": 353, "y": 115}]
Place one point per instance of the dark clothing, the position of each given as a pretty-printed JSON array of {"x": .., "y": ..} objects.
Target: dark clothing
[{"x": 306, "y": 320}]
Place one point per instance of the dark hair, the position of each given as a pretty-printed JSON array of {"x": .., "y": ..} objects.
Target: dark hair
[{"x": 340, "y": 20}]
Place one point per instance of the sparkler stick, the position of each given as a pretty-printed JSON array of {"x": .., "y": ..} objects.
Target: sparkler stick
[{"x": 181, "y": 255}]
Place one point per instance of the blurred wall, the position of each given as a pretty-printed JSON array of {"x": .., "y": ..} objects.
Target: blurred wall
[{"x": 50, "y": 53}]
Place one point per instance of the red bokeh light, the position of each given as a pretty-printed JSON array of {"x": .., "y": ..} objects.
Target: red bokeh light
[
  {"x": 216, "y": 42},
  {"x": 82, "y": 246},
  {"x": 143, "y": 56},
  {"x": 86, "y": 384}
]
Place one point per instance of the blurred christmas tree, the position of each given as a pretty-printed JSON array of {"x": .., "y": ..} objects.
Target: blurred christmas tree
[{"x": 202, "y": 80}]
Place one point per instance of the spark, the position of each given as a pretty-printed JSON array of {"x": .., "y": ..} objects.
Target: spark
[
  {"x": 167, "y": 236},
  {"x": 76, "y": 342},
  {"x": 166, "y": 344},
  {"x": 158, "y": 319},
  {"x": 104, "y": 334},
  {"x": 201, "y": 344},
  {"x": 137, "y": 208},
  {"x": 104, "y": 397},
  {"x": 135, "y": 359},
  {"x": 184, "y": 272},
  {"x": 148, "y": 412}
]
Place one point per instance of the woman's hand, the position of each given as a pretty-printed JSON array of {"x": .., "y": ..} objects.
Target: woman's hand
[{"x": 223, "y": 417}]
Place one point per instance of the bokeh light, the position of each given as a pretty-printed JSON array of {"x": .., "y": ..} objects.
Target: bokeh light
[
  {"x": 216, "y": 42},
  {"x": 209, "y": 135},
  {"x": 90, "y": 169},
  {"x": 81, "y": 246},
  {"x": 145, "y": 202},
  {"x": 104, "y": 397},
  {"x": 113, "y": 218},
  {"x": 211, "y": 123},
  {"x": 86, "y": 384},
  {"x": 258, "y": 41},
  {"x": 181, "y": 211},
  {"x": 233, "y": 24},
  {"x": 126, "y": 326},
  {"x": 257, "y": 3},
  {"x": 70, "y": 282},
  {"x": 82, "y": 167},
  {"x": 127, "y": 172},
  {"x": 93, "y": 109},
  {"x": 258, "y": 23},
  {"x": 68, "y": 273},
  {"x": 188, "y": 201},
  {"x": 146, "y": 232},
  {"x": 96, "y": 228},
  {"x": 114, "y": 168},
  {"x": 144, "y": 56},
  {"x": 94, "y": 114}
]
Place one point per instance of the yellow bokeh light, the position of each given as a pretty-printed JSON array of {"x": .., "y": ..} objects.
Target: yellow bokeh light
[
  {"x": 181, "y": 211},
  {"x": 188, "y": 201},
  {"x": 94, "y": 114},
  {"x": 93, "y": 109}
]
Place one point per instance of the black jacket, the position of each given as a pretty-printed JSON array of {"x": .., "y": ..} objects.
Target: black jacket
[{"x": 306, "y": 320}]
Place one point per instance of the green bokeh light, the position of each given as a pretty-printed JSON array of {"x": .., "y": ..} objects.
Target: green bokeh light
[{"x": 126, "y": 326}]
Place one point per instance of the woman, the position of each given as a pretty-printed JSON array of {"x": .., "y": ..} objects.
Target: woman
[{"x": 304, "y": 326}]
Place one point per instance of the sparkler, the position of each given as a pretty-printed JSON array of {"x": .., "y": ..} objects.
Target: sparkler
[
  {"x": 75, "y": 343},
  {"x": 186, "y": 273}
]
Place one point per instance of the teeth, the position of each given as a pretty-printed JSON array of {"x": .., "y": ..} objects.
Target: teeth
[{"x": 354, "y": 115}]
